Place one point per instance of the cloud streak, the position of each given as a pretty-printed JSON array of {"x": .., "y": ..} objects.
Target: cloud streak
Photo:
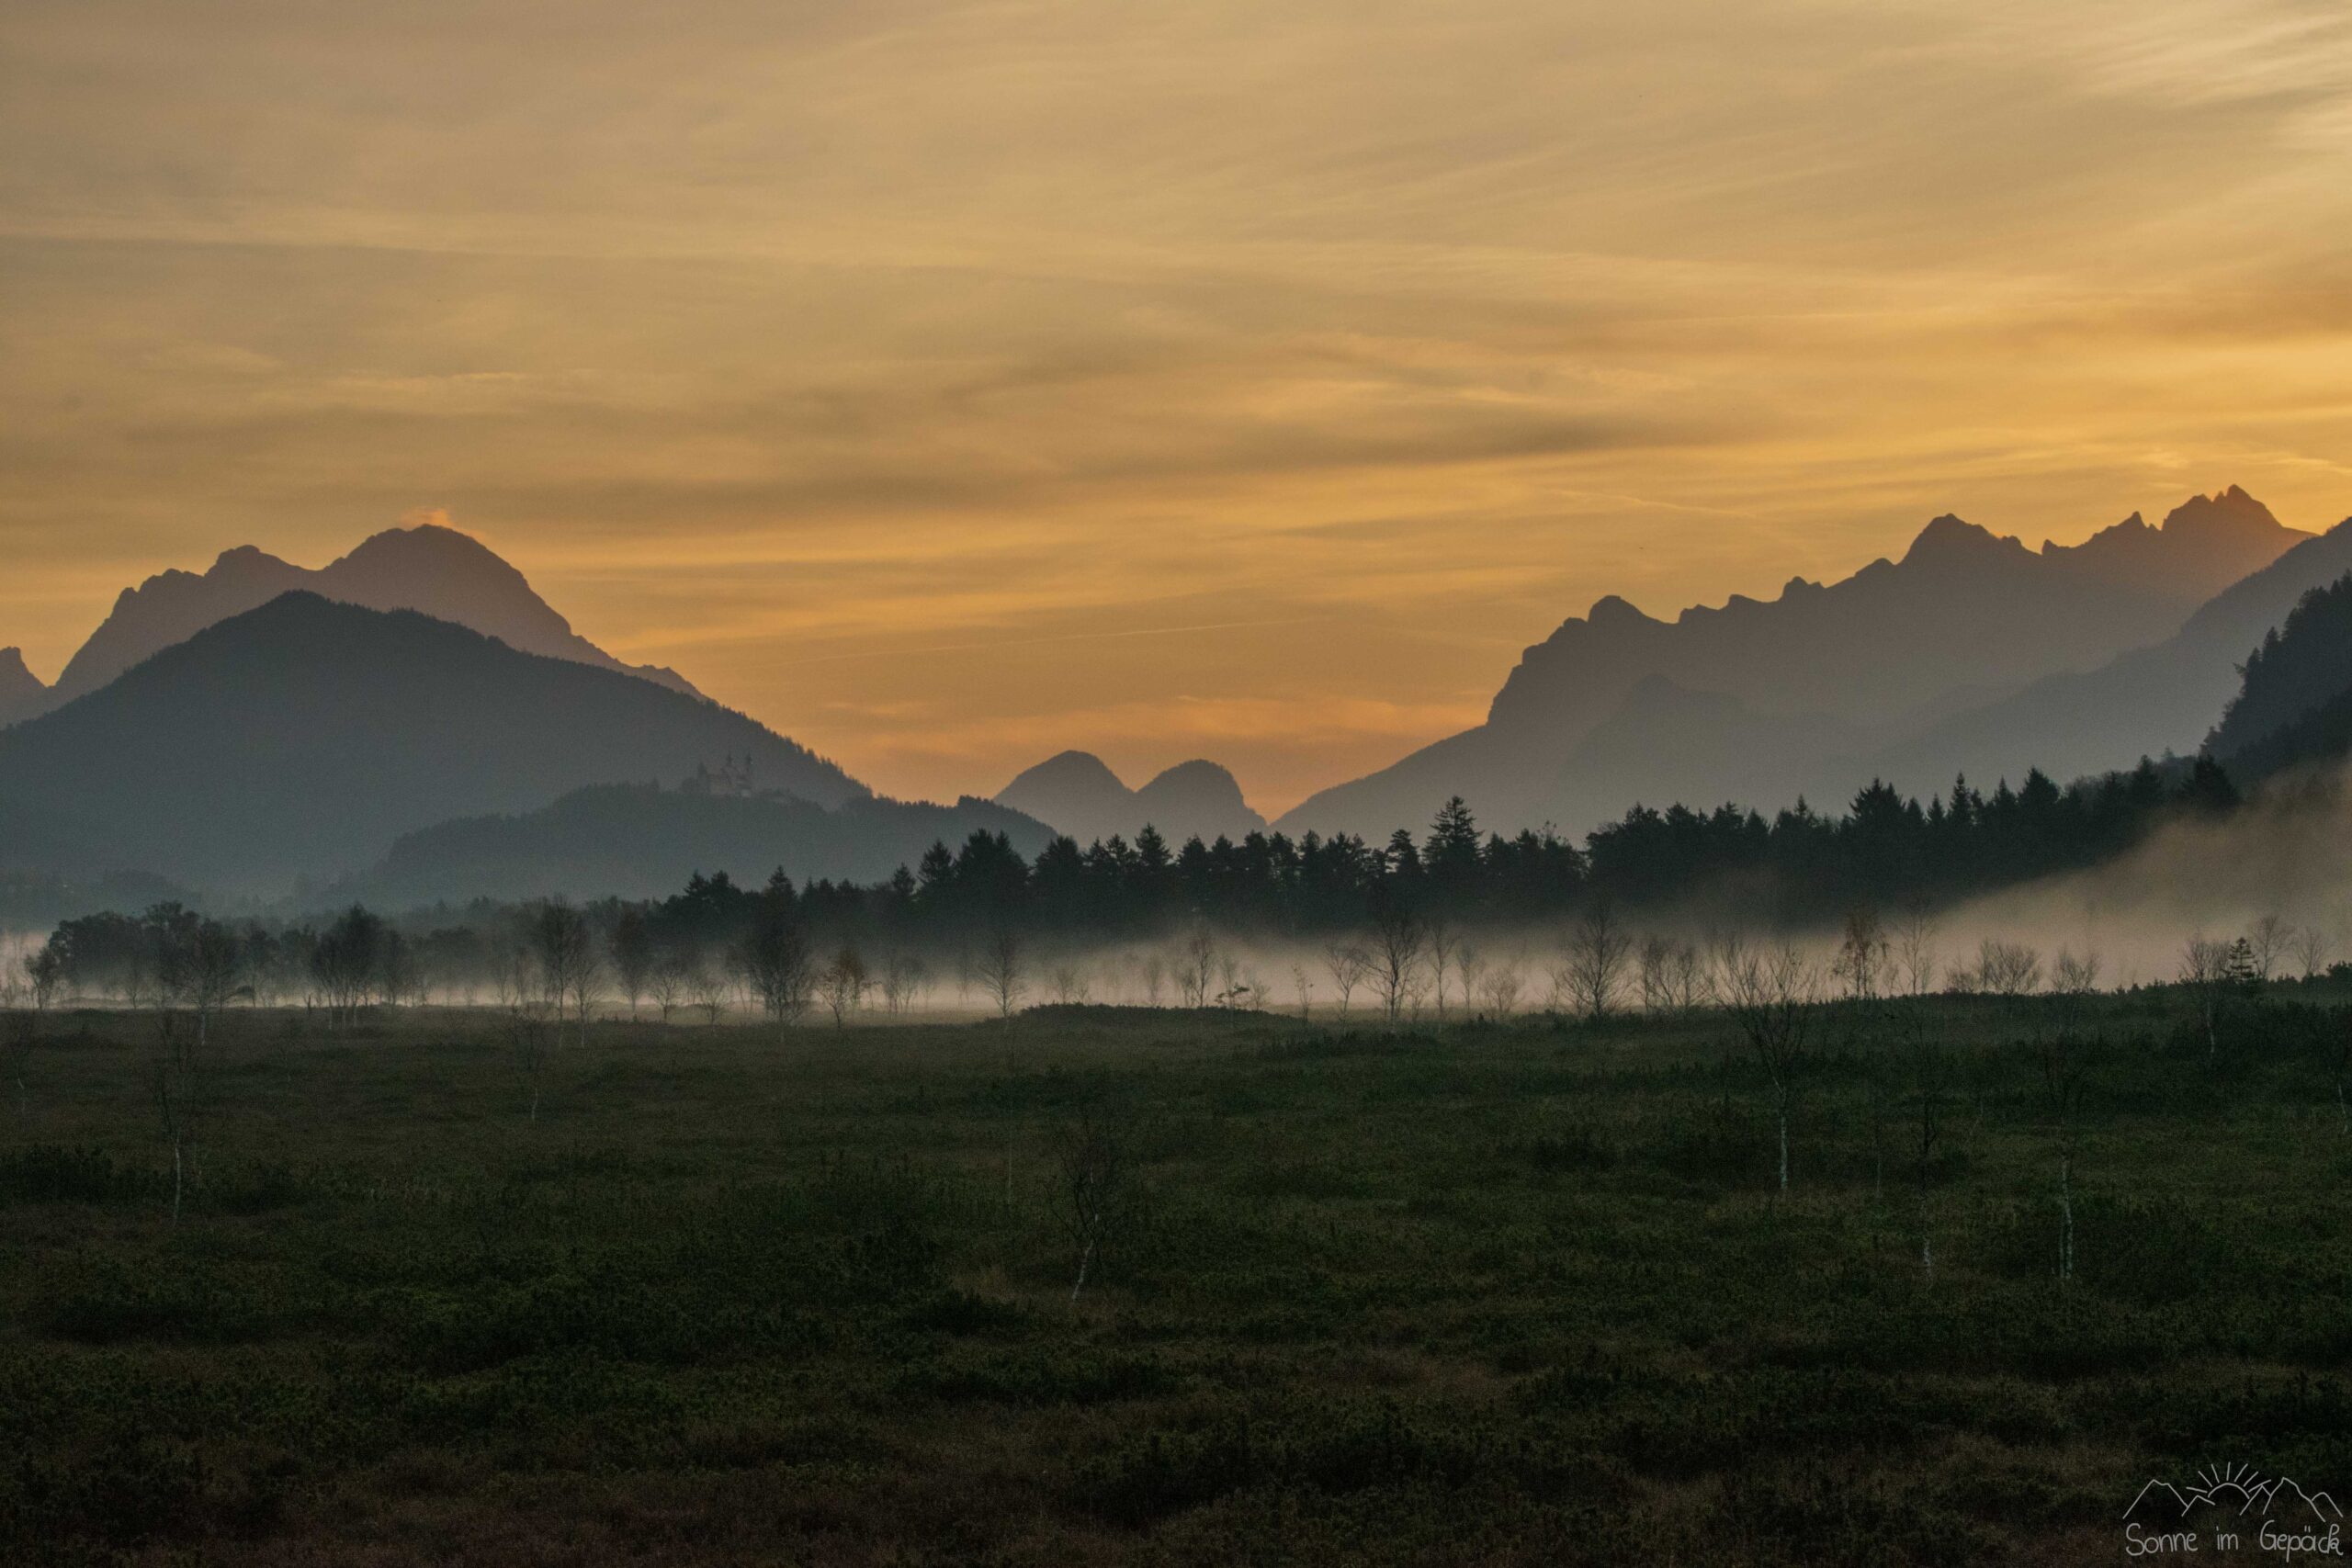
[{"x": 770, "y": 340}]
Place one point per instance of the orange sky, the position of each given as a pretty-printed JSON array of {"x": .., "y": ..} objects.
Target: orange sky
[{"x": 949, "y": 384}]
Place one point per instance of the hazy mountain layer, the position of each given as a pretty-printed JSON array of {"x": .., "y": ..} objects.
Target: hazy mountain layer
[
  {"x": 1962, "y": 608},
  {"x": 302, "y": 738},
  {"x": 2153, "y": 699},
  {"x": 1075, "y": 793},
  {"x": 436, "y": 572},
  {"x": 639, "y": 842}
]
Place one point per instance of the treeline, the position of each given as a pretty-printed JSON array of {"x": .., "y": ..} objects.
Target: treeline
[{"x": 1885, "y": 851}]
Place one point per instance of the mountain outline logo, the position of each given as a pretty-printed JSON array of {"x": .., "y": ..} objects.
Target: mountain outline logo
[{"x": 2239, "y": 1488}]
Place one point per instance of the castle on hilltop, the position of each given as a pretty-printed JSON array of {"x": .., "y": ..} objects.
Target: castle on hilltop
[{"x": 731, "y": 782}]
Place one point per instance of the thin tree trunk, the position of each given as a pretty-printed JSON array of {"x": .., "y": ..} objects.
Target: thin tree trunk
[
  {"x": 175, "y": 1179},
  {"x": 1785, "y": 1151},
  {"x": 1085, "y": 1261},
  {"x": 2066, "y": 1219}
]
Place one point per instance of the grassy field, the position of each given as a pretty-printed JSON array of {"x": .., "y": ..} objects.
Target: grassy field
[{"x": 1463, "y": 1295}]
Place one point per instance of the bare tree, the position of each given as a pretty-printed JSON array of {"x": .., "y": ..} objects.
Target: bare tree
[
  {"x": 1592, "y": 964},
  {"x": 1688, "y": 977},
  {"x": 1768, "y": 991},
  {"x": 1442, "y": 945},
  {"x": 1653, "y": 970},
  {"x": 843, "y": 985},
  {"x": 211, "y": 973},
  {"x": 44, "y": 975},
  {"x": 1933, "y": 1067},
  {"x": 1002, "y": 974},
  {"x": 1153, "y": 968},
  {"x": 2268, "y": 943},
  {"x": 1864, "y": 955},
  {"x": 176, "y": 1076},
  {"x": 1303, "y": 985},
  {"x": 2312, "y": 951},
  {"x": 399, "y": 979},
  {"x": 1470, "y": 966},
  {"x": 776, "y": 963},
  {"x": 564, "y": 952},
  {"x": 1097, "y": 1190},
  {"x": 344, "y": 961},
  {"x": 631, "y": 946},
  {"x": 1500, "y": 993},
  {"x": 1067, "y": 983},
  {"x": 531, "y": 1033},
  {"x": 1914, "y": 949},
  {"x": 176, "y": 1072},
  {"x": 2061, "y": 1083},
  {"x": 2072, "y": 976},
  {"x": 22, "y": 1035},
  {"x": 2207, "y": 975},
  {"x": 2008, "y": 969},
  {"x": 1348, "y": 963},
  {"x": 901, "y": 974},
  {"x": 510, "y": 973},
  {"x": 668, "y": 983},
  {"x": 1396, "y": 943},
  {"x": 707, "y": 989},
  {"x": 2343, "y": 1072},
  {"x": 1195, "y": 965},
  {"x": 1239, "y": 990}
]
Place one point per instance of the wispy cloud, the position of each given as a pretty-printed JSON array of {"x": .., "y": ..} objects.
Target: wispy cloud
[{"x": 923, "y": 351}]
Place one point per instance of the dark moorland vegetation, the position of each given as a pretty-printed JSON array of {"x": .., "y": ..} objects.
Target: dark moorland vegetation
[{"x": 441, "y": 1287}]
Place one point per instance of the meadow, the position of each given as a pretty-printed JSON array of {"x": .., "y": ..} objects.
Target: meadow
[{"x": 1518, "y": 1292}]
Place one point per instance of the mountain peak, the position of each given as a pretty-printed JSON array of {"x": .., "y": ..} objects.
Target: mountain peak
[
  {"x": 1963, "y": 615},
  {"x": 1076, "y": 792},
  {"x": 1611, "y": 611},
  {"x": 21, "y": 691},
  {"x": 307, "y": 733},
  {"x": 2228, "y": 511},
  {"x": 434, "y": 569},
  {"x": 239, "y": 558},
  {"x": 431, "y": 542},
  {"x": 1200, "y": 783},
  {"x": 1950, "y": 539},
  {"x": 1065, "y": 769}
]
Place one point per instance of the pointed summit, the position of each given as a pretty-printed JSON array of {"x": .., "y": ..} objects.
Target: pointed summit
[
  {"x": 21, "y": 691},
  {"x": 1949, "y": 539},
  {"x": 302, "y": 737},
  {"x": 2228, "y": 513},
  {"x": 1898, "y": 645},
  {"x": 430, "y": 569}
]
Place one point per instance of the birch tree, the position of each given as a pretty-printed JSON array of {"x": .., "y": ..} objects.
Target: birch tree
[{"x": 1768, "y": 991}]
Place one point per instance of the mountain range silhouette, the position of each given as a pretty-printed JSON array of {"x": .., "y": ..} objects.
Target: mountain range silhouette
[
  {"x": 434, "y": 570},
  {"x": 300, "y": 740},
  {"x": 1910, "y": 669},
  {"x": 304, "y": 736}
]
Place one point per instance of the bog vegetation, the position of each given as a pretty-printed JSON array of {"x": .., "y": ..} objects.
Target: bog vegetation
[{"x": 1741, "y": 1255}]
